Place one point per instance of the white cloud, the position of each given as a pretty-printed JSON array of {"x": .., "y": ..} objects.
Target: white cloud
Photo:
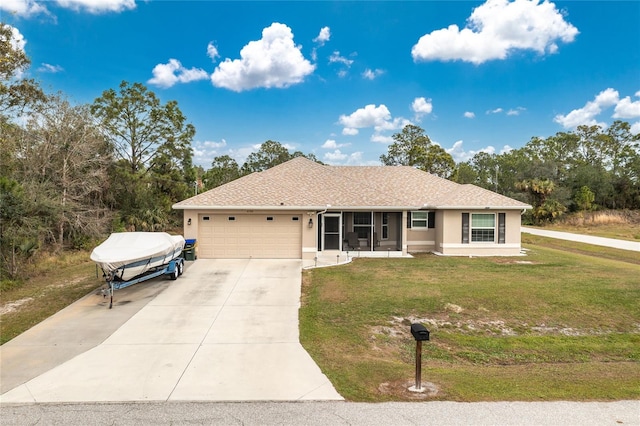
[
  {"x": 370, "y": 74},
  {"x": 511, "y": 111},
  {"x": 383, "y": 139},
  {"x": 337, "y": 157},
  {"x": 421, "y": 107},
  {"x": 22, "y": 7},
  {"x": 329, "y": 144},
  {"x": 587, "y": 114},
  {"x": 495, "y": 29},
  {"x": 272, "y": 61},
  {"x": 369, "y": 116},
  {"x": 323, "y": 37},
  {"x": 332, "y": 144},
  {"x": 377, "y": 117},
  {"x": 469, "y": 114},
  {"x": 516, "y": 111},
  {"x": 336, "y": 57},
  {"x": 48, "y": 68},
  {"x": 98, "y": 6},
  {"x": 395, "y": 124},
  {"x": 212, "y": 51},
  {"x": 459, "y": 154},
  {"x": 625, "y": 108},
  {"x": 635, "y": 128},
  {"x": 166, "y": 75},
  {"x": 205, "y": 151}
]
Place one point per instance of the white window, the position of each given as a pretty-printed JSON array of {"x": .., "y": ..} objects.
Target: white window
[
  {"x": 419, "y": 219},
  {"x": 483, "y": 227}
]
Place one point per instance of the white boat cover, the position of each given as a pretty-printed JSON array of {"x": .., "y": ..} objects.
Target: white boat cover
[{"x": 136, "y": 249}]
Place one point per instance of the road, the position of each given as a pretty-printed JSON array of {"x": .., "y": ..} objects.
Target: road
[
  {"x": 588, "y": 239},
  {"x": 327, "y": 413}
]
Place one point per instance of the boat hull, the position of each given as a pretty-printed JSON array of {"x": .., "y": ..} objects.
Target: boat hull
[{"x": 126, "y": 255}]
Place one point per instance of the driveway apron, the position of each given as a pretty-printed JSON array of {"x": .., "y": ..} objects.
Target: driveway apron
[{"x": 227, "y": 330}]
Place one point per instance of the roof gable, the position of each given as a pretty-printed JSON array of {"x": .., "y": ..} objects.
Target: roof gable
[{"x": 302, "y": 183}]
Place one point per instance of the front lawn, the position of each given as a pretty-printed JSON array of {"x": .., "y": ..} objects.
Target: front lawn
[{"x": 553, "y": 325}]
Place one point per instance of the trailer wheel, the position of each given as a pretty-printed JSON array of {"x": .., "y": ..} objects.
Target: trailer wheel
[
  {"x": 174, "y": 274},
  {"x": 180, "y": 268}
]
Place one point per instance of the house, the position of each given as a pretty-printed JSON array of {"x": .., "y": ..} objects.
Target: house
[{"x": 300, "y": 208}]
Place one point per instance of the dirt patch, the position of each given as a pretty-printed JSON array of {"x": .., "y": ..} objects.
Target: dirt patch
[
  {"x": 454, "y": 308},
  {"x": 399, "y": 327},
  {"x": 14, "y": 306},
  {"x": 405, "y": 389}
]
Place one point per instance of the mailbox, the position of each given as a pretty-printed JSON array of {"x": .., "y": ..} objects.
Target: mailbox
[{"x": 420, "y": 333}]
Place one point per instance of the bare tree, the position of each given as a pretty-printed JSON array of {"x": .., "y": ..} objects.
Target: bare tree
[{"x": 68, "y": 160}]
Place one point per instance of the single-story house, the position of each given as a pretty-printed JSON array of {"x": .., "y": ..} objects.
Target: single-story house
[{"x": 301, "y": 208}]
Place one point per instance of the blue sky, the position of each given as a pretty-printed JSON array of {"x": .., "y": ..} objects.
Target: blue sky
[{"x": 338, "y": 79}]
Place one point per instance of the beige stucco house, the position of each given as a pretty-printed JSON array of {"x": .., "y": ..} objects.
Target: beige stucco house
[{"x": 300, "y": 208}]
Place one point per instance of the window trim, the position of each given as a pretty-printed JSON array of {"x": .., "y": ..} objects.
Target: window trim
[
  {"x": 412, "y": 220},
  {"x": 492, "y": 228}
]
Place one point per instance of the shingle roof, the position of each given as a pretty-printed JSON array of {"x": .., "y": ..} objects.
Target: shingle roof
[{"x": 302, "y": 183}]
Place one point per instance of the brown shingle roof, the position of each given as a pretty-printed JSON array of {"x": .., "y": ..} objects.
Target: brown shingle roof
[{"x": 302, "y": 183}]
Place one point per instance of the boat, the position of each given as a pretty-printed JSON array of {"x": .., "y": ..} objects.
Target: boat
[{"x": 127, "y": 255}]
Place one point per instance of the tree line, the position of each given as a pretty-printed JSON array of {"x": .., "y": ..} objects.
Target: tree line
[{"x": 70, "y": 174}]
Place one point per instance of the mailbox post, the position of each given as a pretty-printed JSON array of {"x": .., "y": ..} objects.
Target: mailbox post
[{"x": 420, "y": 333}]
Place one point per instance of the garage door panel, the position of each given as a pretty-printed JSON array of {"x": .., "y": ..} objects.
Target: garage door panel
[{"x": 250, "y": 236}]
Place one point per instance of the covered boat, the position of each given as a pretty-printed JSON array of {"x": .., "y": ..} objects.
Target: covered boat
[{"x": 126, "y": 255}]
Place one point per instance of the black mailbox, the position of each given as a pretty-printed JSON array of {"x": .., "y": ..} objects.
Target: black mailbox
[{"x": 419, "y": 332}]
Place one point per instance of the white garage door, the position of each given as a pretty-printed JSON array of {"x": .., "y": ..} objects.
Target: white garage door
[{"x": 258, "y": 236}]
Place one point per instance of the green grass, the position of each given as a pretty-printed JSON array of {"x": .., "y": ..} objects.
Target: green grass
[
  {"x": 564, "y": 326},
  {"x": 57, "y": 282}
]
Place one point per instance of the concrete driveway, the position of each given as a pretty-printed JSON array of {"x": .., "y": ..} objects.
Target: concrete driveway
[{"x": 227, "y": 330}]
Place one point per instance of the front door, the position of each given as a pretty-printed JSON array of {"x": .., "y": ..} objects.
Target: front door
[{"x": 331, "y": 237}]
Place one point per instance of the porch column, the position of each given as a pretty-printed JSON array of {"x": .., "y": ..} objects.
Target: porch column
[
  {"x": 404, "y": 232},
  {"x": 373, "y": 229}
]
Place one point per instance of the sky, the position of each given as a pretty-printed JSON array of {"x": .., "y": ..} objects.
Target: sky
[{"x": 337, "y": 79}]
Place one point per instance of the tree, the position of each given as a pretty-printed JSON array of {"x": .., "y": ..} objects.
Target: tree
[
  {"x": 65, "y": 155},
  {"x": 412, "y": 147},
  {"x": 223, "y": 169},
  {"x": 544, "y": 208},
  {"x": 151, "y": 143},
  {"x": 15, "y": 92},
  {"x": 18, "y": 229},
  {"x": 271, "y": 153},
  {"x": 584, "y": 198},
  {"x": 465, "y": 174},
  {"x": 141, "y": 129}
]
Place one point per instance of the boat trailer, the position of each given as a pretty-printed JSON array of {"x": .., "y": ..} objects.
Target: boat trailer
[{"x": 172, "y": 270}]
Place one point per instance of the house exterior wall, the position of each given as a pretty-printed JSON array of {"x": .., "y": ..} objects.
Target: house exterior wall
[
  {"x": 421, "y": 240},
  {"x": 451, "y": 243}
]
